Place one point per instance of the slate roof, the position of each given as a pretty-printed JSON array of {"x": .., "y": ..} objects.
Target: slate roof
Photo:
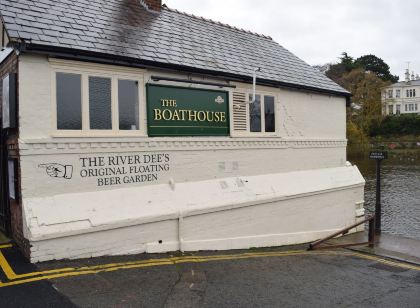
[{"x": 125, "y": 28}]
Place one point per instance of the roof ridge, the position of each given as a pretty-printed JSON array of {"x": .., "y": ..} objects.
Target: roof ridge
[{"x": 164, "y": 6}]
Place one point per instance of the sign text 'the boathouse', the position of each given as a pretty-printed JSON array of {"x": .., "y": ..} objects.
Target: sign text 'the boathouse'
[{"x": 176, "y": 111}]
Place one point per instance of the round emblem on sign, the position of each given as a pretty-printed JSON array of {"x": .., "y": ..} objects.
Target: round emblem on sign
[{"x": 219, "y": 100}]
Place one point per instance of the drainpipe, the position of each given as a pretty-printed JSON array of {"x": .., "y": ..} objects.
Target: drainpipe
[{"x": 254, "y": 82}]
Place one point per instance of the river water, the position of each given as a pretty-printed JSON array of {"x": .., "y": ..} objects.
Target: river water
[{"x": 400, "y": 193}]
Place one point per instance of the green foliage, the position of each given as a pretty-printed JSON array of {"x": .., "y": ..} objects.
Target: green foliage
[
  {"x": 337, "y": 71},
  {"x": 364, "y": 77},
  {"x": 358, "y": 141},
  {"x": 405, "y": 124},
  {"x": 370, "y": 63},
  {"x": 347, "y": 62},
  {"x": 366, "y": 90},
  {"x": 376, "y": 65}
]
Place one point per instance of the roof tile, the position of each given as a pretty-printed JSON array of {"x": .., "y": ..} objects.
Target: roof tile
[{"x": 124, "y": 27}]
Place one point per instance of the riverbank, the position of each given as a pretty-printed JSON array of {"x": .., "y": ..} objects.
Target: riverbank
[{"x": 401, "y": 146}]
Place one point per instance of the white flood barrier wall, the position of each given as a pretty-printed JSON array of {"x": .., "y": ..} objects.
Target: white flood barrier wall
[
  {"x": 230, "y": 213},
  {"x": 92, "y": 193}
]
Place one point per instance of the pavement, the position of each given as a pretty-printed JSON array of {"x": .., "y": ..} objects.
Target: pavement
[
  {"x": 386, "y": 245},
  {"x": 276, "y": 277}
]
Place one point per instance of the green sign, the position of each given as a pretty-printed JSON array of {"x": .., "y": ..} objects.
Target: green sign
[{"x": 176, "y": 111}]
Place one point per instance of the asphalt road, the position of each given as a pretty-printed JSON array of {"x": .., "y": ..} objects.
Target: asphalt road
[
  {"x": 40, "y": 294},
  {"x": 295, "y": 280}
]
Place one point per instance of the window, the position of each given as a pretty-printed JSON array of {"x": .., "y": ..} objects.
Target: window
[
  {"x": 406, "y": 107},
  {"x": 410, "y": 107},
  {"x": 255, "y": 114},
  {"x": 415, "y": 107},
  {"x": 390, "y": 93},
  {"x": 12, "y": 178},
  {"x": 398, "y": 111},
  {"x": 397, "y": 93},
  {"x": 128, "y": 104},
  {"x": 97, "y": 102},
  {"x": 100, "y": 109},
  {"x": 269, "y": 114},
  {"x": 411, "y": 93},
  {"x": 390, "y": 109},
  {"x": 5, "y": 102},
  {"x": 262, "y": 114},
  {"x": 69, "y": 101}
]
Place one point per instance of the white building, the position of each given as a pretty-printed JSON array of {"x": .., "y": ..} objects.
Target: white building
[
  {"x": 402, "y": 97},
  {"x": 136, "y": 132}
]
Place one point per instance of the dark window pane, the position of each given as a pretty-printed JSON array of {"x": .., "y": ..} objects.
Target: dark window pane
[
  {"x": 269, "y": 114},
  {"x": 255, "y": 114},
  {"x": 128, "y": 104},
  {"x": 100, "y": 103},
  {"x": 69, "y": 101}
]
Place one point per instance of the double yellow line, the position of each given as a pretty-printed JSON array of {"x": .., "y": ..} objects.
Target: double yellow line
[{"x": 16, "y": 279}]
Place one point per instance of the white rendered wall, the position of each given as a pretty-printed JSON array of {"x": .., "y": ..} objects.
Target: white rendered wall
[{"x": 310, "y": 135}]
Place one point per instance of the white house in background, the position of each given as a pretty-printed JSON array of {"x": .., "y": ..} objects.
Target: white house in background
[{"x": 402, "y": 97}]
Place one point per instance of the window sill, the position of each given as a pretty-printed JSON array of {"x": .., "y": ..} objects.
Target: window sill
[{"x": 97, "y": 134}]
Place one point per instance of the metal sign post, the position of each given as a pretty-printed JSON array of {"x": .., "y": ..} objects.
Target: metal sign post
[{"x": 378, "y": 156}]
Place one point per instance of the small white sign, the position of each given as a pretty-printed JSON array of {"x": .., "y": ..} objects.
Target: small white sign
[
  {"x": 5, "y": 100},
  {"x": 11, "y": 171}
]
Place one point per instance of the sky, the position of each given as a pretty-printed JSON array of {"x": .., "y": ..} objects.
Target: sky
[{"x": 318, "y": 31}]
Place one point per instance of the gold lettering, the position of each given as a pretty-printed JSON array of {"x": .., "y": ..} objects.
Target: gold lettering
[
  {"x": 203, "y": 118},
  {"x": 192, "y": 115},
  {"x": 175, "y": 116},
  {"x": 158, "y": 114},
  {"x": 187, "y": 114},
  {"x": 208, "y": 113},
  {"x": 168, "y": 102},
  {"x": 183, "y": 112},
  {"x": 168, "y": 114}
]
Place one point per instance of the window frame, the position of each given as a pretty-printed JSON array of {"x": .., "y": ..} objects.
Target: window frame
[
  {"x": 262, "y": 94},
  {"x": 97, "y": 70},
  {"x": 411, "y": 107}
]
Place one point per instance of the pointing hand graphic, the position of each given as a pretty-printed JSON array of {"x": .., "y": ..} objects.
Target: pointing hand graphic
[{"x": 57, "y": 170}]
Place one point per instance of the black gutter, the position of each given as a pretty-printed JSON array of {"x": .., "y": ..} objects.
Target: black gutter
[
  {"x": 207, "y": 83},
  {"x": 102, "y": 58}
]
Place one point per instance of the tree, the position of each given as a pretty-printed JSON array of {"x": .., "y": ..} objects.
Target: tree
[
  {"x": 336, "y": 71},
  {"x": 347, "y": 62},
  {"x": 370, "y": 63},
  {"x": 365, "y": 87},
  {"x": 376, "y": 65}
]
